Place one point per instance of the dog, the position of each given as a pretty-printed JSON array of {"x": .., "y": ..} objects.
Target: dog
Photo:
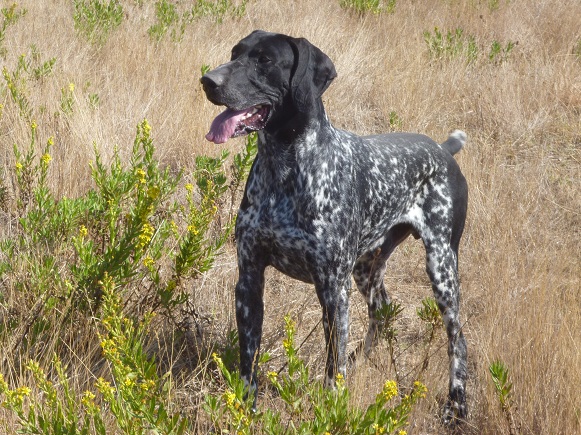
[{"x": 323, "y": 205}]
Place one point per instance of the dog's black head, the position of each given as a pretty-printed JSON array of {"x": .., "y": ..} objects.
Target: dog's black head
[{"x": 267, "y": 71}]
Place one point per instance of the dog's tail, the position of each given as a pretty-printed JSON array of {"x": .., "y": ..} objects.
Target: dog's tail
[{"x": 455, "y": 142}]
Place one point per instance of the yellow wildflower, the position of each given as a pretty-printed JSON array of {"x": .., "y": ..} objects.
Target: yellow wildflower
[
  {"x": 420, "y": 389},
  {"x": 217, "y": 360},
  {"x": 287, "y": 344},
  {"x": 71, "y": 87},
  {"x": 19, "y": 166},
  {"x": 272, "y": 376},
  {"x": 389, "y": 390},
  {"x": 148, "y": 262},
  {"x": 146, "y": 127},
  {"x": 87, "y": 399},
  {"x": 229, "y": 397},
  {"x": 50, "y": 141},
  {"x": 109, "y": 348},
  {"x": 147, "y": 385},
  {"x": 83, "y": 232},
  {"x": 23, "y": 391},
  {"x": 105, "y": 388},
  {"x": 189, "y": 187},
  {"x": 146, "y": 235},
  {"x": 340, "y": 380},
  {"x": 34, "y": 367},
  {"x": 153, "y": 192},
  {"x": 141, "y": 174},
  {"x": 3, "y": 384},
  {"x": 46, "y": 158}
]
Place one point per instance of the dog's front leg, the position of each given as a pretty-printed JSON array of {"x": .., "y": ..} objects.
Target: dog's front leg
[
  {"x": 249, "y": 317},
  {"x": 335, "y": 303}
]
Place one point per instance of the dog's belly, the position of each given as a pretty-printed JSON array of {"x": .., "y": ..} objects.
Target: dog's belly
[
  {"x": 292, "y": 263},
  {"x": 292, "y": 248}
]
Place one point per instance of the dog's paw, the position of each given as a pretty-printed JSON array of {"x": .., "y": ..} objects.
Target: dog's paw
[{"x": 454, "y": 413}]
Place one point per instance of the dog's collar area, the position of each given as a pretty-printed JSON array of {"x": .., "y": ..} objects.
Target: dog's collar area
[{"x": 234, "y": 123}]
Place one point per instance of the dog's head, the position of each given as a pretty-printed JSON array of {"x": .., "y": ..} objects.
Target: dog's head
[{"x": 267, "y": 71}]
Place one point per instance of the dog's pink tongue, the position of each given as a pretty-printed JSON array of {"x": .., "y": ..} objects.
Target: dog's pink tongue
[{"x": 224, "y": 125}]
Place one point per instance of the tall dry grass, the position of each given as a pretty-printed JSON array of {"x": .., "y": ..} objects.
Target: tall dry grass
[{"x": 520, "y": 256}]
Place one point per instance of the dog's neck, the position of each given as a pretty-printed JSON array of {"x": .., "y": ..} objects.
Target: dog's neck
[
  {"x": 291, "y": 144},
  {"x": 291, "y": 129}
]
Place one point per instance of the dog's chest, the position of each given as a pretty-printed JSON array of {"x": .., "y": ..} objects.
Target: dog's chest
[
  {"x": 298, "y": 220},
  {"x": 278, "y": 211}
]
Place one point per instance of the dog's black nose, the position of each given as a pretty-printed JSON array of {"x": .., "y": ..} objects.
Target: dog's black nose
[
  {"x": 208, "y": 83},
  {"x": 211, "y": 81}
]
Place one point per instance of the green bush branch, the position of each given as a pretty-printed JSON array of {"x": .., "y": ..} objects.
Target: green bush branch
[{"x": 310, "y": 409}]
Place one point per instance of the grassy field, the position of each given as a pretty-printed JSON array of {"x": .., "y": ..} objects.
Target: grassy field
[{"x": 506, "y": 72}]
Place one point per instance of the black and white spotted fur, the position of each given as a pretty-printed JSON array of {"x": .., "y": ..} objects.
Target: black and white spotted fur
[{"x": 322, "y": 204}]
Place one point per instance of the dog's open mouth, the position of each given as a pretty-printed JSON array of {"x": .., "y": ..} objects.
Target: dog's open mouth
[{"x": 234, "y": 123}]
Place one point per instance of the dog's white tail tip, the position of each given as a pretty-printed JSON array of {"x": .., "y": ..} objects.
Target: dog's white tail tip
[{"x": 455, "y": 141}]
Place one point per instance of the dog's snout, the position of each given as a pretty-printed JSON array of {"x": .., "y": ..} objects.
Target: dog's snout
[
  {"x": 208, "y": 83},
  {"x": 212, "y": 80}
]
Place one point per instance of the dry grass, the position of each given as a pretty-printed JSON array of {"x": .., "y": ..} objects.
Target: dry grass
[{"x": 520, "y": 256}]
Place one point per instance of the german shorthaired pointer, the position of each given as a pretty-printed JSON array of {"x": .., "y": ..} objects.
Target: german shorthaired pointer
[{"x": 322, "y": 204}]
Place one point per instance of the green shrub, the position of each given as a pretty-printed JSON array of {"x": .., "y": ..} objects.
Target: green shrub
[
  {"x": 10, "y": 16},
  {"x": 96, "y": 19},
  {"x": 217, "y": 10},
  {"x": 93, "y": 252},
  {"x": 499, "y": 373},
  {"x": 395, "y": 122},
  {"x": 577, "y": 49},
  {"x": 455, "y": 43},
  {"x": 136, "y": 397},
  {"x": 309, "y": 408},
  {"x": 31, "y": 67},
  {"x": 16, "y": 84},
  {"x": 167, "y": 18},
  {"x": 499, "y": 53},
  {"x": 369, "y": 6},
  {"x": 55, "y": 410},
  {"x": 173, "y": 20},
  {"x": 450, "y": 44}
]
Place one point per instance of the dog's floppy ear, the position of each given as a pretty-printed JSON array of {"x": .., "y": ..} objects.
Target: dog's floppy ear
[{"x": 312, "y": 74}]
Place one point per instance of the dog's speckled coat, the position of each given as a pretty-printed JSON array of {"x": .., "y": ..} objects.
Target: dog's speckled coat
[{"x": 322, "y": 204}]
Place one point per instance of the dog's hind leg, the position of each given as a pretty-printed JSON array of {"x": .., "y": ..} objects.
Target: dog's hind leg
[
  {"x": 368, "y": 274},
  {"x": 442, "y": 268}
]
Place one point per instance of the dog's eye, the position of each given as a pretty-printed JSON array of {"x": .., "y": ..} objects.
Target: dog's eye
[{"x": 264, "y": 59}]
